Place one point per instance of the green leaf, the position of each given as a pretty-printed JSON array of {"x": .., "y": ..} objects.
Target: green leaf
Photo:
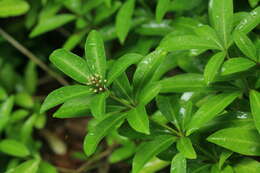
[
  {"x": 98, "y": 105},
  {"x": 186, "y": 42},
  {"x": 95, "y": 53},
  {"x": 3, "y": 94},
  {"x": 247, "y": 142},
  {"x": 221, "y": 18},
  {"x": 13, "y": 148},
  {"x": 245, "y": 45},
  {"x": 121, "y": 64},
  {"x": 255, "y": 107},
  {"x": 124, "y": 19},
  {"x": 235, "y": 65},
  {"x": 227, "y": 169},
  {"x": 18, "y": 115},
  {"x": 24, "y": 100},
  {"x": 103, "y": 12},
  {"x": 146, "y": 68},
  {"x": 183, "y": 83},
  {"x": 138, "y": 119},
  {"x": 205, "y": 31},
  {"x": 149, "y": 92},
  {"x": 185, "y": 147},
  {"x": 223, "y": 157},
  {"x": 249, "y": 22},
  {"x": 210, "y": 110},
  {"x": 63, "y": 94},
  {"x": 179, "y": 164},
  {"x": 5, "y": 111},
  {"x": 71, "y": 64},
  {"x": 51, "y": 23},
  {"x": 122, "y": 153},
  {"x": 96, "y": 134},
  {"x": 253, "y": 3},
  {"x": 46, "y": 167},
  {"x": 123, "y": 88},
  {"x": 213, "y": 67},
  {"x": 74, "y": 40},
  {"x": 76, "y": 107},
  {"x": 161, "y": 8},
  {"x": 169, "y": 107},
  {"x": 91, "y": 4},
  {"x": 27, "y": 128},
  {"x": 30, "y": 166},
  {"x": 31, "y": 77},
  {"x": 148, "y": 150},
  {"x": 10, "y": 8},
  {"x": 247, "y": 165}
]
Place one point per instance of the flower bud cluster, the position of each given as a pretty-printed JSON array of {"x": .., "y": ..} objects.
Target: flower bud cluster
[{"x": 97, "y": 83}]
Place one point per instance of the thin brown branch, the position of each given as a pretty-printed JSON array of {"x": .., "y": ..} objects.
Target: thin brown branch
[{"x": 32, "y": 57}]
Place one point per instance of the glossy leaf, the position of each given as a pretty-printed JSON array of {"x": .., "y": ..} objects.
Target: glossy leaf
[
  {"x": 13, "y": 8},
  {"x": 247, "y": 165},
  {"x": 63, "y": 94},
  {"x": 71, "y": 64},
  {"x": 186, "y": 42},
  {"x": 51, "y": 23},
  {"x": 149, "y": 92},
  {"x": 13, "y": 148},
  {"x": 95, "y": 53},
  {"x": 161, "y": 8},
  {"x": 124, "y": 19},
  {"x": 76, "y": 107},
  {"x": 96, "y": 134},
  {"x": 178, "y": 164},
  {"x": 146, "y": 68},
  {"x": 210, "y": 110},
  {"x": 221, "y": 18},
  {"x": 236, "y": 65},
  {"x": 121, "y": 65},
  {"x": 98, "y": 105},
  {"x": 138, "y": 119},
  {"x": 249, "y": 22},
  {"x": 185, "y": 147},
  {"x": 213, "y": 67},
  {"x": 255, "y": 107},
  {"x": 245, "y": 45},
  {"x": 209, "y": 33},
  {"x": 169, "y": 107},
  {"x": 148, "y": 150},
  {"x": 247, "y": 142},
  {"x": 227, "y": 169},
  {"x": 223, "y": 157},
  {"x": 183, "y": 83}
]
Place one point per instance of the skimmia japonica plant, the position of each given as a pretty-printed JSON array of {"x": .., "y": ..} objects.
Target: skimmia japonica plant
[
  {"x": 206, "y": 119},
  {"x": 192, "y": 104}
]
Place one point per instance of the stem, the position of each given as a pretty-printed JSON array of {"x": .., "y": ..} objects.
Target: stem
[
  {"x": 120, "y": 100},
  {"x": 32, "y": 57},
  {"x": 168, "y": 128}
]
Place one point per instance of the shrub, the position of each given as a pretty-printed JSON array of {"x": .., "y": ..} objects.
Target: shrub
[{"x": 175, "y": 89}]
